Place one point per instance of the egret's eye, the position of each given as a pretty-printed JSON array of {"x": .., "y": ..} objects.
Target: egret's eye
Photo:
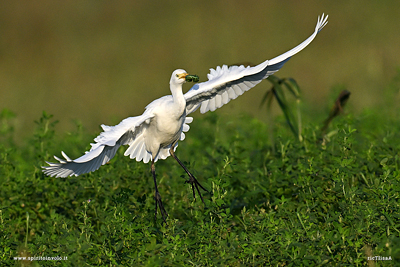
[{"x": 177, "y": 75}]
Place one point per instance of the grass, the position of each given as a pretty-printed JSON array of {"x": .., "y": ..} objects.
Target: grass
[{"x": 330, "y": 201}]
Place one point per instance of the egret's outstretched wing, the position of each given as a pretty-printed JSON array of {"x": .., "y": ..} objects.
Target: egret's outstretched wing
[
  {"x": 227, "y": 83},
  {"x": 128, "y": 132},
  {"x": 103, "y": 150}
]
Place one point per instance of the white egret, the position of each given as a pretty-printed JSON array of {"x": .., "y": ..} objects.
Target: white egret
[{"x": 155, "y": 134}]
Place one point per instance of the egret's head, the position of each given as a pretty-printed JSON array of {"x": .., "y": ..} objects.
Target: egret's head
[{"x": 178, "y": 77}]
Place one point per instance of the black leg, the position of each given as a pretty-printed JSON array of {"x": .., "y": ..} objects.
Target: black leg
[
  {"x": 192, "y": 180},
  {"x": 157, "y": 196}
]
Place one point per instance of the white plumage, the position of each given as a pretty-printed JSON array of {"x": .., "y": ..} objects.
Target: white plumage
[{"x": 154, "y": 135}]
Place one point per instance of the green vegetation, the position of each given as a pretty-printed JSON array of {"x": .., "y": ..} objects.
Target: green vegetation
[
  {"x": 277, "y": 92},
  {"x": 331, "y": 200}
]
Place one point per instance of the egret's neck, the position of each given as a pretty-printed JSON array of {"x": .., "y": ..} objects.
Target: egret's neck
[{"x": 177, "y": 95}]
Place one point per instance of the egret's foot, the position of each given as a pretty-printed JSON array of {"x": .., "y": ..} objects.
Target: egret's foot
[
  {"x": 193, "y": 181},
  {"x": 159, "y": 205},
  {"x": 195, "y": 184}
]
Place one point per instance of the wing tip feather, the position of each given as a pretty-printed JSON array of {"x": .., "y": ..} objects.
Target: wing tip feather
[{"x": 322, "y": 21}]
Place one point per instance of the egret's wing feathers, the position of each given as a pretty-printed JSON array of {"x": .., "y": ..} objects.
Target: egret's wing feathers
[
  {"x": 226, "y": 83},
  {"x": 70, "y": 168},
  {"x": 103, "y": 150},
  {"x": 214, "y": 94}
]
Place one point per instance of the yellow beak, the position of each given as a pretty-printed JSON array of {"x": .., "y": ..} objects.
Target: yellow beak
[{"x": 183, "y": 75}]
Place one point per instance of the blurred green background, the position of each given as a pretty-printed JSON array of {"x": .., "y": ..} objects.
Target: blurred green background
[{"x": 102, "y": 61}]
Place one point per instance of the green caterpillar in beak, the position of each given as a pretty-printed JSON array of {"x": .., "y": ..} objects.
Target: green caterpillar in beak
[{"x": 192, "y": 78}]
